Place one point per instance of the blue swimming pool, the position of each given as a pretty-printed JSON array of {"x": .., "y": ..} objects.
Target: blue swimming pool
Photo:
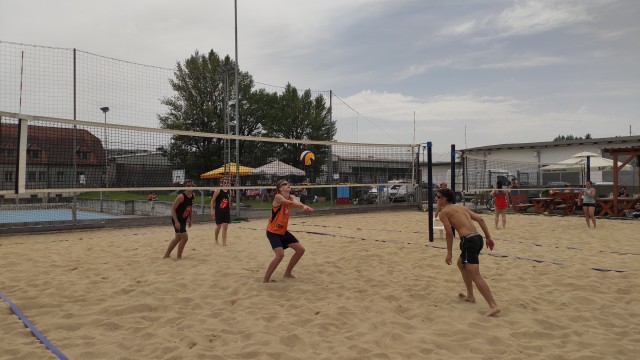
[{"x": 17, "y": 216}]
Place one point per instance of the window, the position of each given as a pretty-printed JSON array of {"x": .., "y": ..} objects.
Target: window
[
  {"x": 59, "y": 176},
  {"x": 42, "y": 176},
  {"x": 34, "y": 153},
  {"x": 83, "y": 155},
  {"x": 8, "y": 176},
  {"x": 82, "y": 180},
  {"x": 31, "y": 176},
  {"x": 9, "y": 153}
]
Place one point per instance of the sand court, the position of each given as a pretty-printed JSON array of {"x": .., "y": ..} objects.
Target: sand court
[{"x": 369, "y": 286}]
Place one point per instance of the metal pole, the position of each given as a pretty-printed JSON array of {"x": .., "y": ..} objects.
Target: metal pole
[
  {"x": 330, "y": 168},
  {"x": 74, "y": 206},
  {"x": 453, "y": 171},
  {"x": 235, "y": 11},
  {"x": 429, "y": 189},
  {"x": 105, "y": 109},
  {"x": 227, "y": 128}
]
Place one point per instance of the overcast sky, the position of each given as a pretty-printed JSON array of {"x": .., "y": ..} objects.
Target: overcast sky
[{"x": 507, "y": 71}]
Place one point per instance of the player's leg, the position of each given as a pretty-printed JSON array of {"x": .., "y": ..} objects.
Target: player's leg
[
  {"x": 218, "y": 227},
  {"x": 184, "y": 237},
  {"x": 174, "y": 242},
  {"x": 279, "y": 255},
  {"x": 473, "y": 270},
  {"x": 299, "y": 251},
  {"x": 224, "y": 227},
  {"x": 467, "y": 282}
]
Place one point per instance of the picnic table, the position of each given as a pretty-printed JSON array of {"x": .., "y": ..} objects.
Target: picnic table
[
  {"x": 625, "y": 203},
  {"x": 564, "y": 201},
  {"x": 541, "y": 204}
]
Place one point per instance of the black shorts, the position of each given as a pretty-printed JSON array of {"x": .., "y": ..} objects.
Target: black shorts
[
  {"x": 183, "y": 226},
  {"x": 470, "y": 245},
  {"x": 282, "y": 241},
  {"x": 223, "y": 217},
  {"x": 588, "y": 204}
]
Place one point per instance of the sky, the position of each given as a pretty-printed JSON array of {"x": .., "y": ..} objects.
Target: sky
[{"x": 464, "y": 72}]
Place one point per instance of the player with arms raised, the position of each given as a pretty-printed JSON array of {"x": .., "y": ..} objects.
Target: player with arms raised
[{"x": 277, "y": 233}]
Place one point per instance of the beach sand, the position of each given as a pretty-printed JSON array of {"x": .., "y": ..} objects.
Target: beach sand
[{"x": 369, "y": 286}]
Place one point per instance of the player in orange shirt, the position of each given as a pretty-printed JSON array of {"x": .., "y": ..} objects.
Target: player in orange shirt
[{"x": 277, "y": 233}]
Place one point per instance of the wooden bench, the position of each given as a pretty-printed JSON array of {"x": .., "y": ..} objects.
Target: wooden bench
[
  {"x": 565, "y": 202},
  {"x": 520, "y": 203}
]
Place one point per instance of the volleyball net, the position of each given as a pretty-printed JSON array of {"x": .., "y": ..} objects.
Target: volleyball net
[{"x": 52, "y": 161}]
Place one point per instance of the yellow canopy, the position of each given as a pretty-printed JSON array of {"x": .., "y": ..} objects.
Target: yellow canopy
[{"x": 229, "y": 169}]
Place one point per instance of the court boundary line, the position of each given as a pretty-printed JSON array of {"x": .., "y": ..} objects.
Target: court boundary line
[
  {"x": 43, "y": 339},
  {"x": 497, "y": 255}
]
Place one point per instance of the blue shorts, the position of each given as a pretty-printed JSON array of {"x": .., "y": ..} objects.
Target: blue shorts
[
  {"x": 470, "y": 245},
  {"x": 282, "y": 241}
]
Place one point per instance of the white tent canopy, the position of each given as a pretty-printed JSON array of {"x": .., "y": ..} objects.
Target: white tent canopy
[
  {"x": 578, "y": 163},
  {"x": 277, "y": 168}
]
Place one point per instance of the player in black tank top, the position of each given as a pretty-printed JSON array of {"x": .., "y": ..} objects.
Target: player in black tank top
[
  {"x": 220, "y": 210},
  {"x": 180, "y": 214}
]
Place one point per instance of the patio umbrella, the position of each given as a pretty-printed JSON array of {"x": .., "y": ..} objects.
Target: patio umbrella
[
  {"x": 578, "y": 163},
  {"x": 278, "y": 168},
  {"x": 229, "y": 169}
]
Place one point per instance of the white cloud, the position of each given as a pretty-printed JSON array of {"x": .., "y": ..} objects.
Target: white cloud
[
  {"x": 531, "y": 17},
  {"x": 524, "y": 17},
  {"x": 463, "y": 28},
  {"x": 489, "y": 120},
  {"x": 494, "y": 59}
]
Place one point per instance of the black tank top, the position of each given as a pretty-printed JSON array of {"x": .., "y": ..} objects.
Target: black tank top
[
  {"x": 184, "y": 208},
  {"x": 222, "y": 201}
]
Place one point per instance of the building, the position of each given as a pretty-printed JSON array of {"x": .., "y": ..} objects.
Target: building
[
  {"x": 57, "y": 157},
  {"x": 524, "y": 160}
]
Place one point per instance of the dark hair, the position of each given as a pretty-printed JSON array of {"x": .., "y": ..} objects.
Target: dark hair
[
  {"x": 447, "y": 194},
  {"x": 499, "y": 184}
]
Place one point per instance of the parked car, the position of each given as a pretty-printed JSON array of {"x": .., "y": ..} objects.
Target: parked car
[
  {"x": 364, "y": 196},
  {"x": 558, "y": 184},
  {"x": 402, "y": 192}
]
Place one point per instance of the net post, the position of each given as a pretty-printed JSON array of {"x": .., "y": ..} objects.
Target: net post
[
  {"x": 429, "y": 188},
  {"x": 453, "y": 176},
  {"x": 74, "y": 206},
  {"x": 21, "y": 164},
  {"x": 453, "y": 171}
]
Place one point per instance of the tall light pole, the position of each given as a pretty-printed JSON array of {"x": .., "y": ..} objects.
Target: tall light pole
[
  {"x": 225, "y": 70},
  {"x": 237, "y": 67},
  {"x": 105, "y": 110}
]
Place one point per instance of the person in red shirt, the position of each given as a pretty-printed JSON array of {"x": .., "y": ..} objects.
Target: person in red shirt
[
  {"x": 502, "y": 204},
  {"x": 277, "y": 233}
]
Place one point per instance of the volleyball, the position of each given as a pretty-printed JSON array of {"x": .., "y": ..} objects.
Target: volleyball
[{"x": 307, "y": 157}]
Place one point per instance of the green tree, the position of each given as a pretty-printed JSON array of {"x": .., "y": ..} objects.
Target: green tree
[
  {"x": 198, "y": 105},
  {"x": 300, "y": 116},
  {"x": 571, "y": 137}
]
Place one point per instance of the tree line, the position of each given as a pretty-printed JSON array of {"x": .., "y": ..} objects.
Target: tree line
[
  {"x": 199, "y": 105},
  {"x": 571, "y": 137}
]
